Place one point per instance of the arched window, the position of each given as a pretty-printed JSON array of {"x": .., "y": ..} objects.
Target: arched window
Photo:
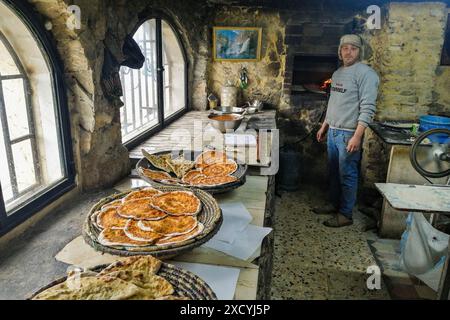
[
  {"x": 156, "y": 94},
  {"x": 35, "y": 150}
]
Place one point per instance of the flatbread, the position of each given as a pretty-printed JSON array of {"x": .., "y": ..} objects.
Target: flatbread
[
  {"x": 143, "y": 193},
  {"x": 180, "y": 166},
  {"x": 171, "y": 181},
  {"x": 213, "y": 181},
  {"x": 117, "y": 237},
  {"x": 220, "y": 169},
  {"x": 196, "y": 180},
  {"x": 191, "y": 175},
  {"x": 114, "y": 203},
  {"x": 147, "y": 264},
  {"x": 95, "y": 288},
  {"x": 156, "y": 175},
  {"x": 109, "y": 218},
  {"x": 158, "y": 161},
  {"x": 181, "y": 238},
  {"x": 154, "y": 285},
  {"x": 178, "y": 203},
  {"x": 140, "y": 209},
  {"x": 134, "y": 232},
  {"x": 129, "y": 278},
  {"x": 171, "y": 225},
  {"x": 210, "y": 157}
]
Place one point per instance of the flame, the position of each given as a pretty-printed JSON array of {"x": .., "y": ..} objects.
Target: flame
[{"x": 325, "y": 84}]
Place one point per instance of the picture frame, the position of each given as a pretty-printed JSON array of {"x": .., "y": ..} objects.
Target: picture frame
[{"x": 237, "y": 44}]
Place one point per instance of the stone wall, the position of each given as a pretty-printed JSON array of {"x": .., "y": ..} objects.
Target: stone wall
[
  {"x": 406, "y": 54},
  {"x": 190, "y": 18},
  {"x": 100, "y": 158},
  {"x": 266, "y": 75},
  {"x": 441, "y": 92}
]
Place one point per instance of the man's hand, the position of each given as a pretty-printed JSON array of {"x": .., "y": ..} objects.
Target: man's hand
[
  {"x": 322, "y": 132},
  {"x": 354, "y": 144}
]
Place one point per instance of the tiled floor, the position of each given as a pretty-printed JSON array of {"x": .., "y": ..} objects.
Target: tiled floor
[
  {"x": 312, "y": 261},
  {"x": 400, "y": 284}
]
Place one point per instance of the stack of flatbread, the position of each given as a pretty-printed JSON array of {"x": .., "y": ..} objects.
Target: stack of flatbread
[
  {"x": 179, "y": 166},
  {"x": 133, "y": 278},
  {"x": 211, "y": 168},
  {"x": 148, "y": 217}
]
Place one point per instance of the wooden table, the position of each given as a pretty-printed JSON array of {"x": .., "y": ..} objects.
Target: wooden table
[{"x": 419, "y": 198}]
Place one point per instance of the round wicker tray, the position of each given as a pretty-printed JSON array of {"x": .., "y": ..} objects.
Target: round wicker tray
[
  {"x": 192, "y": 155},
  {"x": 184, "y": 282},
  {"x": 210, "y": 216}
]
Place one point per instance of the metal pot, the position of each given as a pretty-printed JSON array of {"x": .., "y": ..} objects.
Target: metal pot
[
  {"x": 255, "y": 105},
  {"x": 251, "y": 110},
  {"x": 227, "y": 110},
  {"x": 224, "y": 125}
]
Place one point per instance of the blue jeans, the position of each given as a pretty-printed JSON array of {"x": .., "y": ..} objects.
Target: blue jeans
[{"x": 343, "y": 171}]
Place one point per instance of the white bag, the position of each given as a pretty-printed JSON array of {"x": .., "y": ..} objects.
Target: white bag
[{"x": 423, "y": 250}]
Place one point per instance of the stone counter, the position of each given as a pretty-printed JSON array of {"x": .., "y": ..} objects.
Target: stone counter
[
  {"x": 184, "y": 132},
  {"x": 257, "y": 195}
]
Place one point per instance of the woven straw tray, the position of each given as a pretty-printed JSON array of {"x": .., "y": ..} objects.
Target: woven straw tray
[
  {"x": 192, "y": 155},
  {"x": 184, "y": 282},
  {"x": 210, "y": 215}
]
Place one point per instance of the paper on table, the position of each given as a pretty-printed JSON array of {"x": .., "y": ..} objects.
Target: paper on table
[
  {"x": 235, "y": 219},
  {"x": 222, "y": 280},
  {"x": 240, "y": 140},
  {"x": 243, "y": 247}
]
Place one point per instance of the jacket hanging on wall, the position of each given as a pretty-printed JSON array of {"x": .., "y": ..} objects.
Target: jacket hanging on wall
[
  {"x": 133, "y": 58},
  {"x": 133, "y": 55}
]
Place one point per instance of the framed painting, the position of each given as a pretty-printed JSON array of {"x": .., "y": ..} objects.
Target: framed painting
[{"x": 236, "y": 43}]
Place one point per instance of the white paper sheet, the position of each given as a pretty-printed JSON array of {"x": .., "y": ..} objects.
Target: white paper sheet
[
  {"x": 240, "y": 139},
  {"x": 244, "y": 245},
  {"x": 222, "y": 280},
  {"x": 235, "y": 219}
]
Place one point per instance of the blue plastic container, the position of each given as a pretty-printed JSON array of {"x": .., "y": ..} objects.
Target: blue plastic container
[{"x": 435, "y": 122}]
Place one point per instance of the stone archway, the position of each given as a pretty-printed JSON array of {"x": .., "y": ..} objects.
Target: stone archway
[
  {"x": 124, "y": 17},
  {"x": 100, "y": 156}
]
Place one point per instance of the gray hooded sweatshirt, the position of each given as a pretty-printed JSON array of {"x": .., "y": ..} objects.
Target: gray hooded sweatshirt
[{"x": 353, "y": 96}]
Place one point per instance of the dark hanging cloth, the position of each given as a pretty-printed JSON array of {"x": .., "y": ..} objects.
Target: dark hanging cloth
[
  {"x": 112, "y": 88},
  {"x": 133, "y": 55},
  {"x": 133, "y": 58}
]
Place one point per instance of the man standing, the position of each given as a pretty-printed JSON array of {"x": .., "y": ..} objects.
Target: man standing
[{"x": 351, "y": 108}]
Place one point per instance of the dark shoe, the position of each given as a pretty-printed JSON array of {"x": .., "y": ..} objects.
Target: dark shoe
[
  {"x": 338, "y": 221},
  {"x": 327, "y": 209}
]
